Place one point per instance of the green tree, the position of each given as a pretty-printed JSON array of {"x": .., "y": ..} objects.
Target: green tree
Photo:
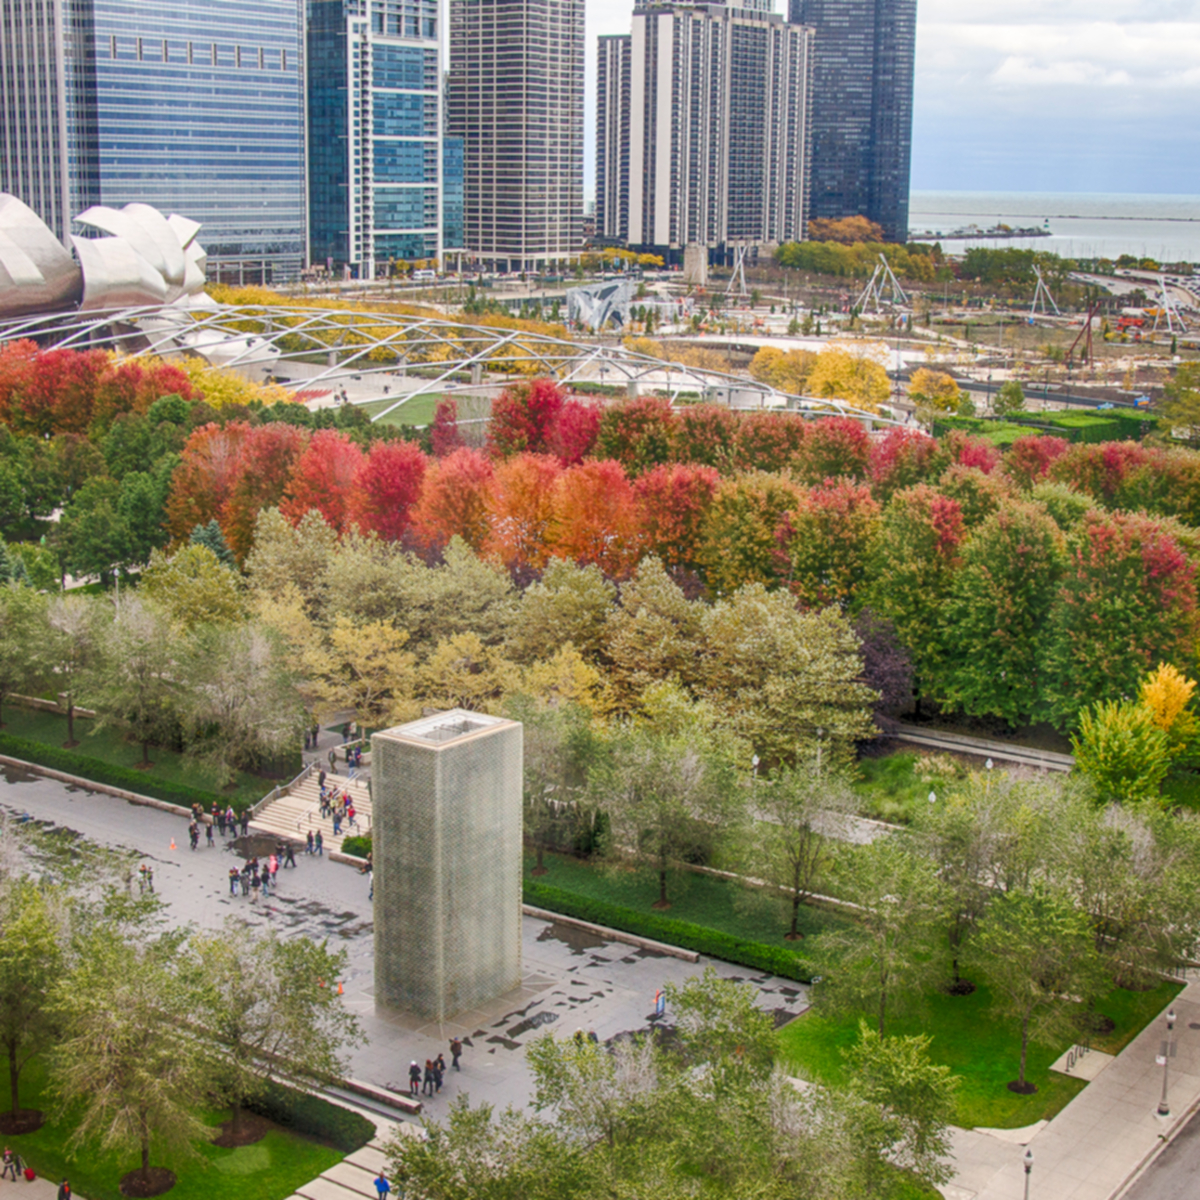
[
  {"x": 910, "y": 1104},
  {"x": 888, "y": 956},
  {"x": 739, "y": 544},
  {"x": 22, "y": 638},
  {"x": 31, "y": 957},
  {"x": 142, "y": 507},
  {"x": 133, "y": 683},
  {"x": 194, "y": 588},
  {"x": 569, "y": 603},
  {"x": 92, "y": 534},
  {"x": 1009, "y": 399},
  {"x": 1180, "y": 403},
  {"x": 210, "y": 535},
  {"x": 996, "y": 618},
  {"x": 122, "y": 1070},
  {"x": 1122, "y": 751},
  {"x": 267, "y": 1005},
  {"x": 1040, "y": 960},
  {"x": 72, "y": 648}
]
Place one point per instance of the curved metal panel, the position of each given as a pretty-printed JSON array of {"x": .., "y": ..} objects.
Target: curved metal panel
[
  {"x": 29, "y": 249},
  {"x": 136, "y": 229},
  {"x": 115, "y": 275}
]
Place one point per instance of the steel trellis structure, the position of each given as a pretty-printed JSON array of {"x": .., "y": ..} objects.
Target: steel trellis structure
[{"x": 308, "y": 348}]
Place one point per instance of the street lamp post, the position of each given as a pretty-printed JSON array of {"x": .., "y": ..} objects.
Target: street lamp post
[
  {"x": 1164, "y": 1109},
  {"x": 1028, "y": 1163}
]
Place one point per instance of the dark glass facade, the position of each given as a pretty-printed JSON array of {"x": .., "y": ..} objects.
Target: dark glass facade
[
  {"x": 452, "y": 194},
  {"x": 861, "y": 108}
]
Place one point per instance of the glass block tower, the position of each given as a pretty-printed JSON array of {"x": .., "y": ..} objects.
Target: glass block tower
[
  {"x": 447, "y": 851},
  {"x": 862, "y": 108},
  {"x": 193, "y": 107},
  {"x": 375, "y": 133},
  {"x": 515, "y": 98}
]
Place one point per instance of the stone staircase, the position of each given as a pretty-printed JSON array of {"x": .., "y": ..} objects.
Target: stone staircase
[{"x": 294, "y": 812}]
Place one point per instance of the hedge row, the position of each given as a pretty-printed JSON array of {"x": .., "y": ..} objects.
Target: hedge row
[
  {"x": 102, "y": 772},
  {"x": 314, "y": 1117},
  {"x": 685, "y": 934},
  {"x": 1112, "y": 425},
  {"x": 360, "y": 846}
]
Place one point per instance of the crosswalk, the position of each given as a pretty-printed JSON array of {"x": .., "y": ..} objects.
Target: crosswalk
[{"x": 297, "y": 811}]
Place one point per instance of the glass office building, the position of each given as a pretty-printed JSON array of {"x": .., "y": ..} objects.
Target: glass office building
[
  {"x": 375, "y": 133},
  {"x": 861, "y": 108},
  {"x": 196, "y": 107}
]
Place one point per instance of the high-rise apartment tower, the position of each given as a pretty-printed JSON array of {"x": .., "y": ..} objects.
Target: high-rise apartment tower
[
  {"x": 515, "y": 98},
  {"x": 375, "y": 133},
  {"x": 862, "y": 108},
  {"x": 194, "y": 107},
  {"x": 703, "y": 113}
]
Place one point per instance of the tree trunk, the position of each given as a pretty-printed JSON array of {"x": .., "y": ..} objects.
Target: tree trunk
[
  {"x": 71, "y": 721},
  {"x": 539, "y": 868},
  {"x": 662, "y": 901},
  {"x": 145, "y": 754},
  {"x": 795, "y": 933},
  {"x": 1024, "y": 1050},
  {"x": 145, "y": 1146},
  {"x": 14, "y": 1075}
]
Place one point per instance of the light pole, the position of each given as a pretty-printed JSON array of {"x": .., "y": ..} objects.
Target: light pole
[
  {"x": 1028, "y": 1163},
  {"x": 1164, "y": 1109}
]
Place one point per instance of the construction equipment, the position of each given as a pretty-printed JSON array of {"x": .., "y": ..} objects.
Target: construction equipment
[
  {"x": 1085, "y": 336},
  {"x": 1167, "y": 310}
]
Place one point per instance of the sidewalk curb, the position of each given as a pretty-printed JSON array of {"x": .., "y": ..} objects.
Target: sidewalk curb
[
  {"x": 92, "y": 786},
  {"x": 612, "y": 935},
  {"x": 1164, "y": 1140}
]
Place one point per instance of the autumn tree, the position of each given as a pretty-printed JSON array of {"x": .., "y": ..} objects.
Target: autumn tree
[
  {"x": 824, "y": 544},
  {"x": 209, "y": 469},
  {"x": 1029, "y": 459},
  {"x": 286, "y": 556},
  {"x": 387, "y": 486},
  {"x": 902, "y": 458},
  {"x": 454, "y": 499},
  {"x": 595, "y": 517},
  {"x": 1127, "y": 602},
  {"x": 769, "y": 441},
  {"x": 1166, "y": 693},
  {"x": 997, "y": 614},
  {"x": 363, "y": 666},
  {"x": 673, "y": 502},
  {"x": 523, "y": 416},
  {"x": 844, "y": 371},
  {"x": 638, "y": 433},
  {"x": 194, "y": 588},
  {"x": 463, "y": 672},
  {"x": 706, "y": 435},
  {"x": 520, "y": 510},
  {"x": 573, "y": 432},
  {"x": 834, "y": 447},
  {"x": 934, "y": 390},
  {"x": 785, "y": 370},
  {"x": 267, "y": 459},
  {"x": 1122, "y": 750},
  {"x": 739, "y": 531},
  {"x": 444, "y": 435},
  {"x": 1099, "y": 469},
  {"x": 570, "y": 603},
  {"x": 324, "y": 479},
  {"x": 848, "y": 231}
]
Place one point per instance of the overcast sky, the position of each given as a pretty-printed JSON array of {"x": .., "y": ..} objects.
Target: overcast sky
[{"x": 1037, "y": 95}]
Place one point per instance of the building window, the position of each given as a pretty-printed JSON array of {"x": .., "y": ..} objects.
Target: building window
[
  {"x": 191, "y": 59},
  {"x": 214, "y": 54},
  {"x": 112, "y": 46},
  {"x": 166, "y": 51},
  {"x": 283, "y": 59},
  {"x": 139, "y": 49},
  {"x": 237, "y": 56},
  {"x": 261, "y": 58}
]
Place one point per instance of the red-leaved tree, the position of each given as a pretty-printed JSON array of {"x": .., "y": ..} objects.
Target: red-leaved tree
[
  {"x": 520, "y": 509},
  {"x": 835, "y": 447},
  {"x": 267, "y": 458},
  {"x": 1099, "y": 469},
  {"x": 209, "y": 469},
  {"x": 523, "y": 416},
  {"x": 969, "y": 451},
  {"x": 573, "y": 432},
  {"x": 595, "y": 517},
  {"x": 707, "y": 435},
  {"x": 454, "y": 499},
  {"x": 903, "y": 457},
  {"x": 323, "y": 479},
  {"x": 1029, "y": 459},
  {"x": 673, "y": 501},
  {"x": 444, "y": 435},
  {"x": 387, "y": 484},
  {"x": 769, "y": 441}
]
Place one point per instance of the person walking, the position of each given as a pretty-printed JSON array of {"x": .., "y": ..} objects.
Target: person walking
[
  {"x": 273, "y": 867},
  {"x": 427, "y": 1088},
  {"x": 219, "y": 813},
  {"x": 231, "y": 820},
  {"x": 10, "y": 1165},
  {"x": 414, "y": 1078},
  {"x": 308, "y": 842},
  {"x": 234, "y": 876},
  {"x": 289, "y": 855},
  {"x": 245, "y": 821},
  {"x": 456, "y": 1049},
  {"x": 321, "y": 779},
  {"x": 64, "y": 1190},
  {"x": 319, "y": 842},
  {"x": 208, "y": 832},
  {"x": 194, "y": 834},
  {"x": 439, "y": 1071},
  {"x": 316, "y": 733},
  {"x": 255, "y": 885},
  {"x": 246, "y": 879},
  {"x": 382, "y": 1187},
  {"x": 333, "y": 762}
]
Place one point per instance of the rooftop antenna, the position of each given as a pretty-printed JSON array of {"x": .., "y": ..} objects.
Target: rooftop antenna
[
  {"x": 882, "y": 279},
  {"x": 1042, "y": 296}
]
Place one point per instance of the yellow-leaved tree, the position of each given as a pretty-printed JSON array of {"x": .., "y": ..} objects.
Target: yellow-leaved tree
[
  {"x": 788, "y": 371},
  {"x": 934, "y": 389},
  {"x": 853, "y": 372},
  {"x": 1166, "y": 692}
]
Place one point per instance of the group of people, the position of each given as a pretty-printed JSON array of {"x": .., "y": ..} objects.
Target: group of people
[
  {"x": 430, "y": 1081},
  {"x": 223, "y": 820},
  {"x": 255, "y": 878},
  {"x": 339, "y": 806}
]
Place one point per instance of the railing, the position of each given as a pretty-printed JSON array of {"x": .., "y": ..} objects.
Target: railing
[{"x": 281, "y": 790}]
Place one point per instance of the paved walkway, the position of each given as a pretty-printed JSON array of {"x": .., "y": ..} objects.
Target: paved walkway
[{"x": 1092, "y": 1148}]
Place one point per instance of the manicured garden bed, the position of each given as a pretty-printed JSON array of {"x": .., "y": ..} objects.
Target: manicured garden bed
[
  {"x": 269, "y": 1169},
  {"x": 982, "y": 1051},
  {"x": 107, "y": 757}
]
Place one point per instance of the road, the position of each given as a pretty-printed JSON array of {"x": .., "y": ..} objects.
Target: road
[{"x": 1175, "y": 1174}]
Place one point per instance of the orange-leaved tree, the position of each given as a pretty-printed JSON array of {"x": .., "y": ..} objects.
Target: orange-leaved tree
[
  {"x": 673, "y": 501},
  {"x": 454, "y": 499},
  {"x": 520, "y": 509},
  {"x": 323, "y": 479},
  {"x": 595, "y": 517}
]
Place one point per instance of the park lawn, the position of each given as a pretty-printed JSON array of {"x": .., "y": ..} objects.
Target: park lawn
[
  {"x": 268, "y": 1170},
  {"x": 982, "y": 1051},
  {"x": 894, "y": 787},
  {"x": 109, "y": 745},
  {"x": 416, "y": 410},
  {"x": 701, "y": 899}
]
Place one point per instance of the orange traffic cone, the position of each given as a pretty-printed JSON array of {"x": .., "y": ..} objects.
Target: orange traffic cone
[
  {"x": 341, "y": 990},
  {"x": 172, "y": 843}
]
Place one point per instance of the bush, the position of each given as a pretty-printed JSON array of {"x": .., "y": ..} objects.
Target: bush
[
  {"x": 361, "y": 846},
  {"x": 700, "y": 938},
  {"x": 314, "y": 1117},
  {"x": 95, "y": 769}
]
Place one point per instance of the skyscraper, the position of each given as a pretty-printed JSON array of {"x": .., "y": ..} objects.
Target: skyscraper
[
  {"x": 704, "y": 117},
  {"x": 192, "y": 107},
  {"x": 515, "y": 98},
  {"x": 862, "y": 108},
  {"x": 375, "y": 132}
]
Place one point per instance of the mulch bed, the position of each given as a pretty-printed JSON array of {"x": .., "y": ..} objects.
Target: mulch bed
[
  {"x": 156, "y": 1181},
  {"x": 251, "y": 1128},
  {"x": 25, "y": 1120}
]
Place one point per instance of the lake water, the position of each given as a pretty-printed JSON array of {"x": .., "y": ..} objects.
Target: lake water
[{"x": 1082, "y": 224}]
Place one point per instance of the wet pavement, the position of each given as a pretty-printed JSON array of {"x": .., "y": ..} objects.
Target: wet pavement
[{"x": 572, "y": 979}]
